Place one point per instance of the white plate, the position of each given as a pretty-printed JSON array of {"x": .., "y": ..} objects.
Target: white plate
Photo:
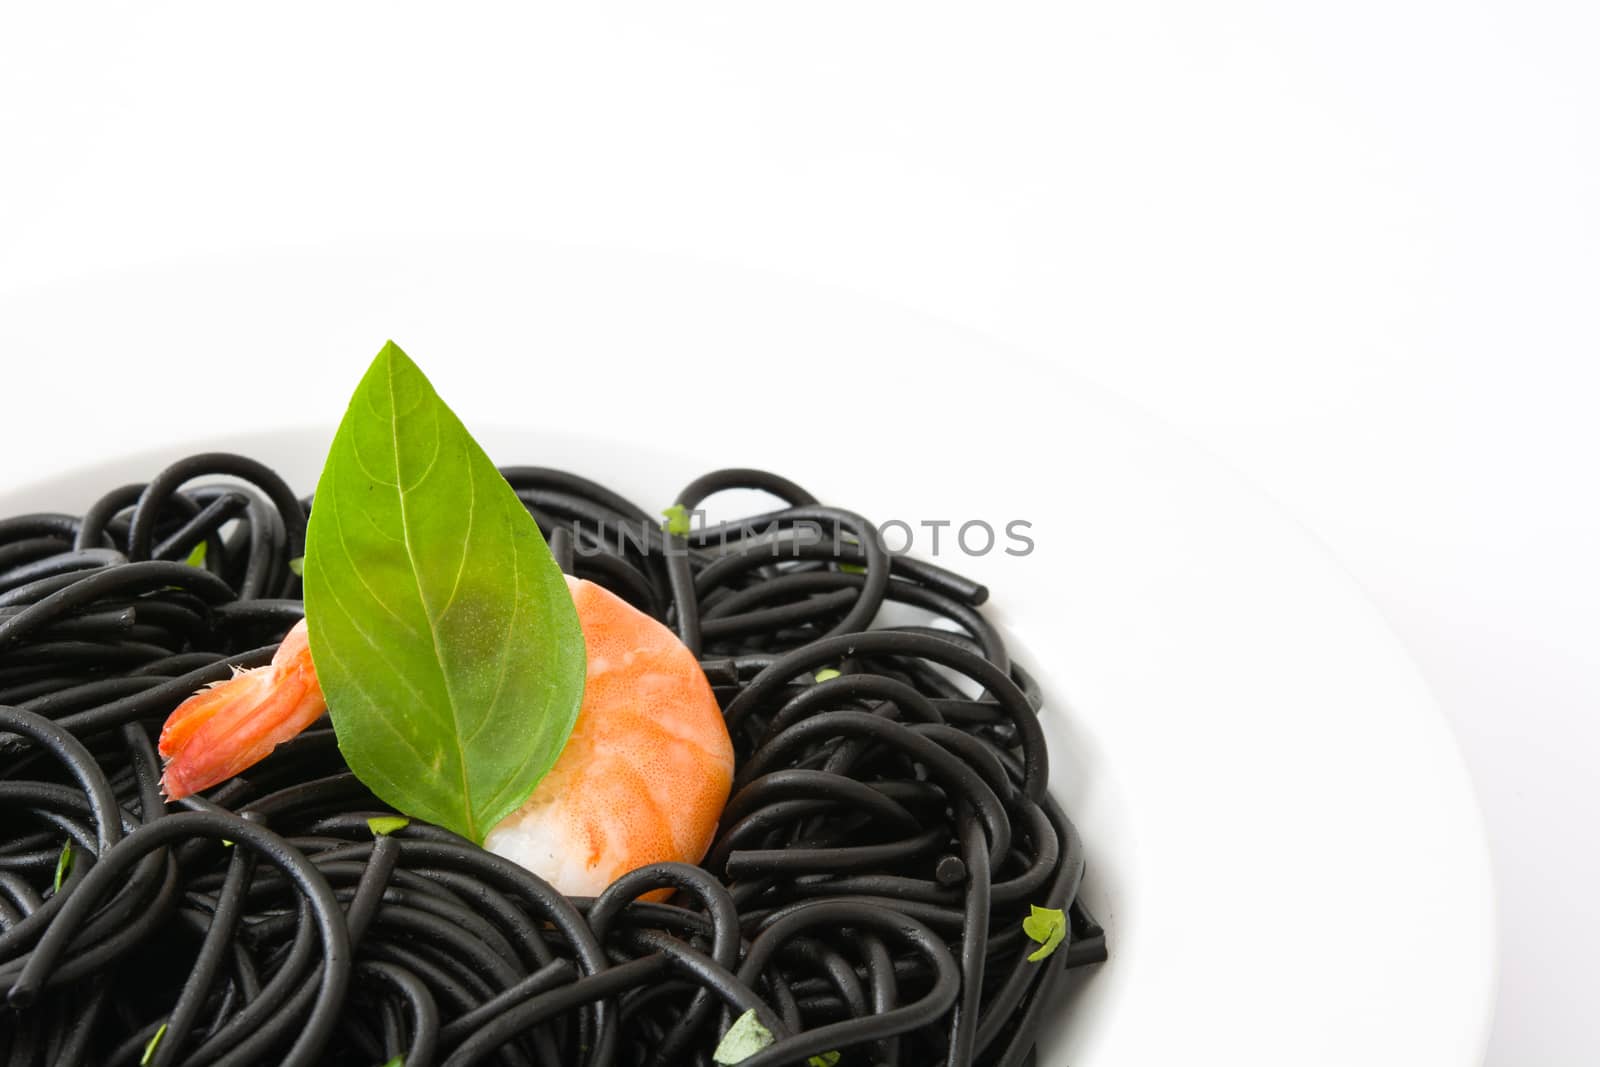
[{"x": 1282, "y": 842}]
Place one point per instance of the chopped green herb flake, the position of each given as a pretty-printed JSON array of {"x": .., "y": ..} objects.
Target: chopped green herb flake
[
  {"x": 384, "y": 825},
  {"x": 398, "y": 1061},
  {"x": 63, "y": 865},
  {"x": 744, "y": 1039},
  {"x": 852, "y": 568},
  {"x": 1048, "y": 926},
  {"x": 826, "y": 674},
  {"x": 677, "y": 520},
  {"x": 150, "y": 1046},
  {"x": 827, "y": 1059},
  {"x": 298, "y": 565},
  {"x": 197, "y": 555}
]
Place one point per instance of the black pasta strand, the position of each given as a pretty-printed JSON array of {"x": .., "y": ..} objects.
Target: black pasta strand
[
  {"x": 224, "y": 921},
  {"x": 889, "y": 829}
]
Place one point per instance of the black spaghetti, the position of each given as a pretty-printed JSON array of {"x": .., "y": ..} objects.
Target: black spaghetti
[{"x": 889, "y": 830}]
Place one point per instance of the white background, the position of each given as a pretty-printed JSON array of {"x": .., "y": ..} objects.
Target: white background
[{"x": 1353, "y": 249}]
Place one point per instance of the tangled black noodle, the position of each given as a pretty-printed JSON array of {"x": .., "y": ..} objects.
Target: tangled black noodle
[{"x": 888, "y": 832}]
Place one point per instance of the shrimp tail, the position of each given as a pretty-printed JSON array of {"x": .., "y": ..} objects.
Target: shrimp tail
[{"x": 235, "y": 723}]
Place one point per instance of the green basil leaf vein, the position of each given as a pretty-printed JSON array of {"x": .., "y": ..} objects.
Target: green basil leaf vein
[{"x": 442, "y": 630}]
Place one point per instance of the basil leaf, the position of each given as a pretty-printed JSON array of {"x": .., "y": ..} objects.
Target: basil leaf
[
  {"x": 384, "y": 825},
  {"x": 442, "y": 631}
]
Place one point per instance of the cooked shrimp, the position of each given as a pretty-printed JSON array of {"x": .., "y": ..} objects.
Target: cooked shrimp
[
  {"x": 233, "y": 724},
  {"x": 646, "y": 772},
  {"x": 643, "y": 777}
]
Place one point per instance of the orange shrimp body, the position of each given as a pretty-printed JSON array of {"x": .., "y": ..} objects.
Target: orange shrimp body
[
  {"x": 646, "y": 772},
  {"x": 643, "y": 777}
]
